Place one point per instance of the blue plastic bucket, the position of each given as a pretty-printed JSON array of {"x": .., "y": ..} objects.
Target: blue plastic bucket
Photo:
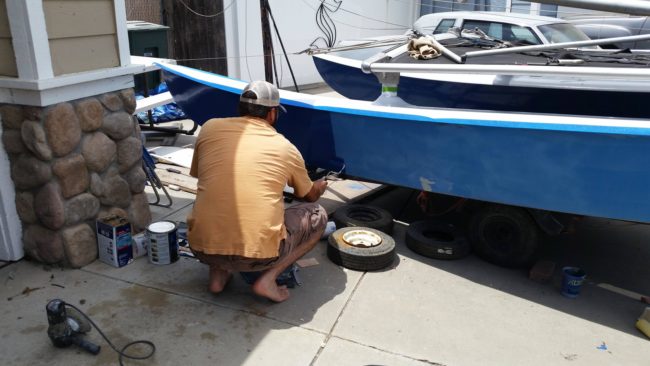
[{"x": 572, "y": 279}]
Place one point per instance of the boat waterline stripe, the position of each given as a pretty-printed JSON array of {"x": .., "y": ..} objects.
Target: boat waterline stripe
[
  {"x": 616, "y": 130},
  {"x": 566, "y": 127}
]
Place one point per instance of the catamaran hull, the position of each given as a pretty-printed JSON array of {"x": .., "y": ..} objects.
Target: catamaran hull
[
  {"x": 595, "y": 167},
  {"x": 349, "y": 81}
]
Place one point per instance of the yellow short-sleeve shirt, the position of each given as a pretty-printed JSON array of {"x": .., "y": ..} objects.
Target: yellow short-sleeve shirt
[{"x": 242, "y": 165}]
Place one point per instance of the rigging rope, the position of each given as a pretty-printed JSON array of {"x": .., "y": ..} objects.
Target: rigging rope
[
  {"x": 325, "y": 23},
  {"x": 284, "y": 51}
]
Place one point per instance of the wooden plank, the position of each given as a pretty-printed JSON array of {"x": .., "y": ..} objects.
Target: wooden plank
[
  {"x": 154, "y": 101},
  {"x": 267, "y": 42},
  {"x": 148, "y": 62},
  {"x": 205, "y": 52},
  {"x": 183, "y": 170},
  {"x": 184, "y": 182},
  {"x": 180, "y": 156}
]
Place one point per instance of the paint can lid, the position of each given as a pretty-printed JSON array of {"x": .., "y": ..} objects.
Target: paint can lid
[{"x": 161, "y": 227}]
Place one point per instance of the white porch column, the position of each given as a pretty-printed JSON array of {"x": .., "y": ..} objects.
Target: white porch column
[
  {"x": 27, "y": 24},
  {"x": 11, "y": 247},
  {"x": 69, "y": 150}
]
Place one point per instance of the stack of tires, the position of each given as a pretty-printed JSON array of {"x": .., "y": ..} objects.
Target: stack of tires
[{"x": 504, "y": 235}]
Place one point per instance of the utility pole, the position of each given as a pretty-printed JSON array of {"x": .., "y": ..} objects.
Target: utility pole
[{"x": 267, "y": 42}]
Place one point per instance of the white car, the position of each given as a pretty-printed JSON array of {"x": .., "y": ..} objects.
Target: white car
[{"x": 521, "y": 29}]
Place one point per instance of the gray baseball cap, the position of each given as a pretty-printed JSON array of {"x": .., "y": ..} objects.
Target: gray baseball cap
[{"x": 267, "y": 94}]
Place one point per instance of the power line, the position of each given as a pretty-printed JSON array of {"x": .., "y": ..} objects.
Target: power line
[
  {"x": 295, "y": 53},
  {"x": 369, "y": 18},
  {"x": 204, "y": 15},
  {"x": 355, "y": 26},
  {"x": 248, "y": 68}
]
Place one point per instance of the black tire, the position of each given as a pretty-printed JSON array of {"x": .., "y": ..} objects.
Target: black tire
[
  {"x": 361, "y": 259},
  {"x": 436, "y": 239},
  {"x": 363, "y": 216},
  {"x": 504, "y": 235}
]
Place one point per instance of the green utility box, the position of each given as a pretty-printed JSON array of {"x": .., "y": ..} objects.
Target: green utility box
[{"x": 149, "y": 40}]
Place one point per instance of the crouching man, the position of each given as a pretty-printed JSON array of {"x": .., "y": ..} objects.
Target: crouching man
[{"x": 238, "y": 223}]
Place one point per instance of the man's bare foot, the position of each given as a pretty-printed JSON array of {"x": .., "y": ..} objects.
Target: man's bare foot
[
  {"x": 266, "y": 287},
  {"x": 218, "y": 279}
]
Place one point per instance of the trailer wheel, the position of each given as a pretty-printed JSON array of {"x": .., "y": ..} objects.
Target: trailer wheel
[
  {"x": 504, "y": 235},
  {"x": 364, "y": 216},
  {"x": 361, "y": 248},
  {"x": 436, "y": 239}
]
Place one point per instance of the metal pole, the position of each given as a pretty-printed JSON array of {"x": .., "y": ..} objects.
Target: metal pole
[
  {"x": 554, "y": 46},
  {"x": 267, "y": 43},
  {"x": 284, "y": 51},
  {"x": 632, "y": 7}
]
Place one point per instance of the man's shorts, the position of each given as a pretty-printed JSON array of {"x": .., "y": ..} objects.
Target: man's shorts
[{"x": 302, "y": 221}]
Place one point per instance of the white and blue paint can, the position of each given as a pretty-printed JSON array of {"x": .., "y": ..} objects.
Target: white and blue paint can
[{"x": 162, "y": 242}]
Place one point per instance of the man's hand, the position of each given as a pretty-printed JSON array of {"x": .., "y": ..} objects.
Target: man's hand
[{"x": 317, "y": 190}]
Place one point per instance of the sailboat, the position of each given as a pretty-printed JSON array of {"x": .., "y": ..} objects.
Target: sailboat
[{"x": 522, "y": 168}]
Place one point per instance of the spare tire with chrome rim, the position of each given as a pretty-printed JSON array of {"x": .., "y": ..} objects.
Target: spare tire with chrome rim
[{"x": 361, "y": 248}]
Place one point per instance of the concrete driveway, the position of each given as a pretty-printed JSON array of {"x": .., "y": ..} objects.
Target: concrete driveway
[{"x": 418, "y": 312}]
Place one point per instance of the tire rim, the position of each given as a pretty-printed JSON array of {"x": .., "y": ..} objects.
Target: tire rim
[
  {"x": 502, "y": 234},
  {"x": 362, "y": 239}
]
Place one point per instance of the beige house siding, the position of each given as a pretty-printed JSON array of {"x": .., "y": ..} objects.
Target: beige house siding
[
  {"x": 82, "y": 35},
  {"x": 7, "y": 57}
]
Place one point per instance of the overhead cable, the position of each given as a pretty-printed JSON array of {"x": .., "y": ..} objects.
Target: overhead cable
[
  {"x": 206, "y": 15},
  {"x": 355, "y": 26}
]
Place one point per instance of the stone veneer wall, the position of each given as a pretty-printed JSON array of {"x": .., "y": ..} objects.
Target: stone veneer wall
[{"x": 71, "y": 163}]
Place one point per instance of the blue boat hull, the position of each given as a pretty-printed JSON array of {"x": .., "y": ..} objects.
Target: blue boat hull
[
  {"x": 353, "y": 83},
  {"x": 580, "y": 169}
]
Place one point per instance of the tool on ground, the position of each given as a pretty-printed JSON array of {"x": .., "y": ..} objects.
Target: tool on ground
[
  {"x": 67, "y": 324},
  {"x": 67, "y": 329}
]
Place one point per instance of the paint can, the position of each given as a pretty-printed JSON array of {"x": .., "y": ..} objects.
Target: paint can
[
  {"x": 572, "y": 280},
  {"x": 162, "y": 243}
]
